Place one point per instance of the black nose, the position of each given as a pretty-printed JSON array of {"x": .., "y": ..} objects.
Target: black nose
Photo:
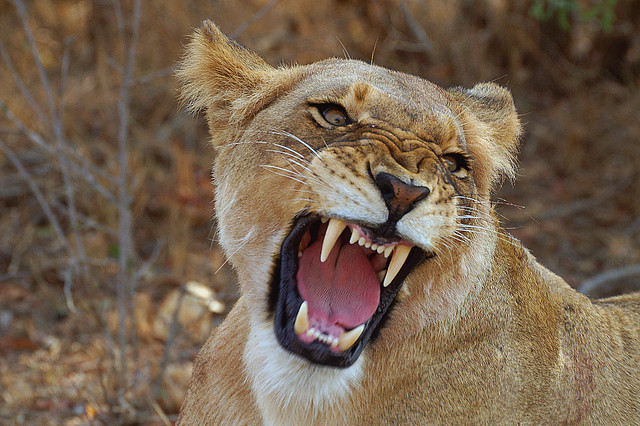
[{"x": 399, "y": 197}]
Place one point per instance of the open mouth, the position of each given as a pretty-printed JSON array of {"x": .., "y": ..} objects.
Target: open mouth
[{"x": 334, "y": 284}]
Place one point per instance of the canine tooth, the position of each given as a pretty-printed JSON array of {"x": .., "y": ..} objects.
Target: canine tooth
[
  {"x": 388, "y": 251},
  {"x": 355, "y": 236},
  {"x": 381, "y": 275},
  {"x": 299, "y": 254},
  {"x": 334, "y": 229},
  {"x": 380, "y": 249},
  {"x": 347, "y": 339},
  {"x": 374, "y": 247},
  {"x": 302, "y": 319},
  {"x": 361, "y": 241},
  {"x": 399, "y": 256}
]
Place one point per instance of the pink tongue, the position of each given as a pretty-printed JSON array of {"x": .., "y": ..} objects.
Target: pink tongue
[{"x": 344, "y": 290}]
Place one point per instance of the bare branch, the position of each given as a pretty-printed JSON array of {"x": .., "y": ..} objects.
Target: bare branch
[
  {"x": 417, "y": 30},
  {"x": 173, "y": 329},
  {"x": 146, "y": 265},
  {"x": 64, "y": 73},
  {"x": 259, "y": 14},
  {"x": 154, "y": 75},
  {"x": 126, "y": 286},
  {"x": 588, "y": 286},
  {"x": 23, "y": 89},
  {"x": 22, "y": 13},
  {"x": 83, "y": 171},
  {"x": 88, "y": 221},
  {"x": 51, "y": 217}
]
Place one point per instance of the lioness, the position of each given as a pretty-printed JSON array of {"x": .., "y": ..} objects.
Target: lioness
[{"x": 377, "y": 286}]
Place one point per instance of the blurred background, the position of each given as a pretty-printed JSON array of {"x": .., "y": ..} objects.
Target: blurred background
[{"x": 110, "y": 274}]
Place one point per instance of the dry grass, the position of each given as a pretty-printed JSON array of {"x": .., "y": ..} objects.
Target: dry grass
[{"x": 62, "y": 344}]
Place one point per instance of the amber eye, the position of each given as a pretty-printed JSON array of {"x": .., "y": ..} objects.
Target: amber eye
[
  {"x": 456, "y": 164},
  {"x": 451, "y": 162},
  {"x": 334, "y": 115}
]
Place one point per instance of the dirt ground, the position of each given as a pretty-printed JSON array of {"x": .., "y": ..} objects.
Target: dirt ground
[{"x": 575, "y": 79}]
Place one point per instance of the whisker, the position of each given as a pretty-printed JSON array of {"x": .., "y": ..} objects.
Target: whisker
[
  {"x": 304, "y": 199},
  {"x": 312, "y": 176},
  {"x": 290, "y": 149},
  {"x": 244, "y": 240},
  {"x": 294, "y": 137},
  {"x": 285, "y": 153},
  {"x": 484, "y": 231},
  {"x": 284, "y": 176}
]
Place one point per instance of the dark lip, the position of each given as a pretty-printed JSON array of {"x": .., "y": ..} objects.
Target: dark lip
[{"x": 285, "y": 301}]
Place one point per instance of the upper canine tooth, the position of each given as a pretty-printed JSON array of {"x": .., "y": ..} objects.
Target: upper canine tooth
[
  {"x": 334, "y": 229},
  {"x": 302, "y": 319},
  {"x": 348, "y": 338},
  {"x": 399, "y": 256},
  {"x": 355, "y": 236},
  {"x": 388, "y": 251}
]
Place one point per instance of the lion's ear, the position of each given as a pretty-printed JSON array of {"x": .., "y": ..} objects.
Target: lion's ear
[
  {"x": 226, "y": 80},
  {"x": 492, "y": 131}
]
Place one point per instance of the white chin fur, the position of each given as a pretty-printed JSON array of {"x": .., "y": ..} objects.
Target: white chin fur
[{"x": 289, "y": 387}]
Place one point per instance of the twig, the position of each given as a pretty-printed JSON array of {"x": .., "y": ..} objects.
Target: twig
[
  {"x": 89, "y": 222},
  {"x": 68, "y": 285},
  {"x": 173, "y": 329},
  {"x": 417, "y": 30},
  {"x": 126, "y": 287},
  {"x": 64, "y": 73},
  {"x": 259, "y": 14},
  {"x": 146, "y": 265},
  {"x": 163, "y": 417},
  {"x": 154, "y": 75},
  {"x": 59, "y": 153},
  {"x": 23, "y": 89},
  {"x": 22, "y": 13},
  {"x": 588, "y": 286},
  {"x": 81, "y": 171},
  {"x": 38, "y": 194}
]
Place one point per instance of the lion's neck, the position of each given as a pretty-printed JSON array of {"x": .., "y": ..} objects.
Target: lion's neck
[{"x": 288, "y": 389}]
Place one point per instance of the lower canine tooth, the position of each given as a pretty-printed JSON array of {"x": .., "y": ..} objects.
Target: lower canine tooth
[
  {"x": 355, "y": 236},
  {"x": 381, "y": 275},
  {"x": 334, "y": 229},
  {"x": 302, "y": 319},
  {"x": 399, "y": 256},
  {"x": 348, "y": 338}
]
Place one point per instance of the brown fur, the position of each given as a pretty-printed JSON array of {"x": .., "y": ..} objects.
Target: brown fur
[{"x": 480, "y": 334}]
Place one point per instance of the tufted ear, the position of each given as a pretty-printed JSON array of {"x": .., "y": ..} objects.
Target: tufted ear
[
  {"x": 226, "y": 80},
  {"x": 492, "y": 130}
]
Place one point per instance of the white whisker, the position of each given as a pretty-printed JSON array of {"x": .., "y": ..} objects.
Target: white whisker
[{"x": 284, "y": 176}]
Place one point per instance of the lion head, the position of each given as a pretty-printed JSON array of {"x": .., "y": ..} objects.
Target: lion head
[{"x": 342, "y": 186}]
